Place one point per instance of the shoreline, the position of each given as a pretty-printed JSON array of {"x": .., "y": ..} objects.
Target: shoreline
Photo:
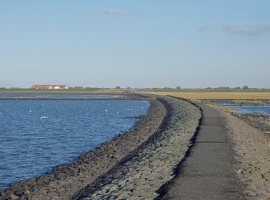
[
  {"x": 67, "y": 179},
  {"x": 135, "y": 165},
  {"x": 152, "y": 164},
  {"x": 135, "y": 97}
]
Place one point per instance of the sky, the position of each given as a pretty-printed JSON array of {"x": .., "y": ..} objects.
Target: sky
[{"x": 138, "y": 44}]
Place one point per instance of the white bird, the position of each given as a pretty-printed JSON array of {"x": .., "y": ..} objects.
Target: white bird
[{"x": 44, "y": 117}]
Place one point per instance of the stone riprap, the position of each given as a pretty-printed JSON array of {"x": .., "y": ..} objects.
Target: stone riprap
[
  {"x": 153, "y": 164},
  {"x": 67, "y": 179},
  {"x": 154, "y": 146}
]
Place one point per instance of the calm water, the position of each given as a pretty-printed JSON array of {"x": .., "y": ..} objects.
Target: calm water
[
  {"x": 246, "y": 109},
  {"x": 80, "y": 96},
  {"x": 35, "y": 136}
]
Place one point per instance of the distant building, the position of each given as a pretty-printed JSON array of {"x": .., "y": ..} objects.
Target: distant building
[
  {"x": 78, "y": 87},
  {"x": 50, "y": 86}
]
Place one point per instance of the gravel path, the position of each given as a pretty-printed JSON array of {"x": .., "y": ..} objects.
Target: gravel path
[{"x": 140, "y": 176}]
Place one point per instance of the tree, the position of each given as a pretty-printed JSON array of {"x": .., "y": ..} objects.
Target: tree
[{"x": 245, "y": 87}]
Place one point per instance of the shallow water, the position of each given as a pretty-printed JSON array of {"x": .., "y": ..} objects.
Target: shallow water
[
  {"x": 249, "y": 109},
  {"x": 36, "y": 136}
]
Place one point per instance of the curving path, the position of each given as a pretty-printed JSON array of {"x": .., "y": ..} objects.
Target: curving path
[{"x": 207, "y": 172}]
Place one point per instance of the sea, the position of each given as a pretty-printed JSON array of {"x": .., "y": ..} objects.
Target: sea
[{"x": 38, "y": 135}]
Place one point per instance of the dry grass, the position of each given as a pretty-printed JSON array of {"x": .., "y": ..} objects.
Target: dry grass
[{"x": 218, "y": 95}]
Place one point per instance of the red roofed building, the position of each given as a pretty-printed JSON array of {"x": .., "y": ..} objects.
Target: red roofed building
[{"x": 50, "y": 86}]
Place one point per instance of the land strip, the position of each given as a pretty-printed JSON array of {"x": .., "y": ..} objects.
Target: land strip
[
  {"x": 153, "y": 144},
  {"x": 153, "y": 164},
  {"x": 251, "y": 153},
  {"x": 139, "y": 173},
  {"x": 217, "y": 95}
]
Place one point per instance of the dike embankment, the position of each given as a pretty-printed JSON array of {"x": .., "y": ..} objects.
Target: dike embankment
[
  {"x": 153, "y": 159},
  {"x": 145, "y": 170},
  {"x": 164, "y": 132},
  {"x": 250, "y": 144}
]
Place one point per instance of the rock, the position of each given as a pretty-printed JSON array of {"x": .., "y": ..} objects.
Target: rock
[
  {"x": 266, "y": 176},
  {"x": 99, "y": 162},
  {"x": 136, "y": 117},
  {"x": 13, "y": 197},
  {"x": 111, "y": 156}
]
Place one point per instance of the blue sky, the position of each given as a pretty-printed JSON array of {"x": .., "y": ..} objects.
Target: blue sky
[{"x": 154, "y": 43}]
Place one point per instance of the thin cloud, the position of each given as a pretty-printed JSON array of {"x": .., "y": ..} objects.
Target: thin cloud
[
  {"x": 247, "y": 30},
  {"x": 111, "y": 11},
  {"x": 203, "y": 28}
]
